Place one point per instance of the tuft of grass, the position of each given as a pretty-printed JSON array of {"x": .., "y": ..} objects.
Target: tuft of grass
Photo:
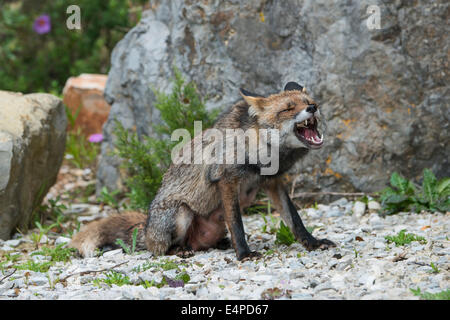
[
  {"x": 125, "y": 247},
  {"x": 434, "y": 268},
  {"x": 79, "y": 151},
  {"x": 57, "y": 254},
  {"x": 109, "y": 198},
  {"x": 403, "y": 195},
  {"x": 443, "y": 295},
  {"x": 284, "y": 235},
  {"x": 34, "y": 266},
  {"x": 113, "y": 277},
  {"x": 403, "y": 238}
]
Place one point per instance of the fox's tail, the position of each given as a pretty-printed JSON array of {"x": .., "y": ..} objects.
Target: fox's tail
[{"x": 106, "y": 231}]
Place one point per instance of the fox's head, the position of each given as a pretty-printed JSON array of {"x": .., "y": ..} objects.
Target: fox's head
[{"x": 293, "y": 112}]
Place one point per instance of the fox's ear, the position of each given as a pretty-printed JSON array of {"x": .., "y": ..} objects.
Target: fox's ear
[
  {"x": 293, "y": 86},
  {"x": 255, "y": 101}
]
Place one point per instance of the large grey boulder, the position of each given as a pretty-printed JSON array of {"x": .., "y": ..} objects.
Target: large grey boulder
[
  {"x": 32, "y": 143},
  {"x": 384, "y": 91}
]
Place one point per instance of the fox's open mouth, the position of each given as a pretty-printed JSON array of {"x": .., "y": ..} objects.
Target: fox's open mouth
[{"x": 306, "y": 131}]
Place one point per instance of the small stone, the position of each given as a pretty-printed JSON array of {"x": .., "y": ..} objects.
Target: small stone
[
  {"x": 301, "y": 296},
  {"x": 344, "y": 264},
  {"x": 38, "y": 280},
  {"x": 323, "y": 207},
  {"x": 112, "y": 253},
  {"x": 359, "y": 208},
  {"x": 334, "y": 212},
  {"x": 313, "y": 213},
  {"x": 340, "y": 202},
  {"x": 13, "y": 243},
  {"x": 379, "y": 245},
  {"x": 374, "y": 206},
  {"x": 44, "y": 239},
  {"x": 62, "y": 240}
]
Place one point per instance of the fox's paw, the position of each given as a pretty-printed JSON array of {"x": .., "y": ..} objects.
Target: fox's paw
[
  {"x": 314, "y": 244},
  {"x": 184, "y": 253},
  {"x": 250, "y": 255}
]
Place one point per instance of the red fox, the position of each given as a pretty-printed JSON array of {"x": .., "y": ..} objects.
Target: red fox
[{"x": 197, "y": 203}]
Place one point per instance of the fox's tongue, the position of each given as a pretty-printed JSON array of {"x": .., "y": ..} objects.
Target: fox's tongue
[{"x": 311, "y": 134}]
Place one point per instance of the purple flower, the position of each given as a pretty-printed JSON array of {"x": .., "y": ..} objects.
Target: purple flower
[
  {"x": 95, "y": 138},
  {"x": 42, "y": 24}
]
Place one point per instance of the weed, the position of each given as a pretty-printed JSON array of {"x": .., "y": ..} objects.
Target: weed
[
  {"x": 272, "y": 225},
  {"x": 443, "y": 295},
  {"x": 164, "y": 265},
  {"x": 36, "y": 238},
  {"x": 125, "y": 247},
  {"x": 434, "y": 268},
  {"x": 109, "y": 198},
  {"x": 12, "y": 257},
  {"x": 79, "y": 151},
  {"x": 284, "y": 235},
  {"x": 57, "y": 254},
  {"x": 113, "y": 277},
  {"x": 403, "y": 195},
  {"x": 403, "y": 238},
  {"x": 34, "y": 266}
]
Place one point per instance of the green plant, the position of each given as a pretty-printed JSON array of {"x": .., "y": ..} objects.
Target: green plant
[
  {"x": 113, "y": 277},
  {"x": 81, "y": 194},
  {"x": 79, "y": 151},
  {"x": 434, "y": 268},
  {"x": 133, "y": 245},
  {"x": 36, "y": 238},
  {"x": 403, "y": 195},
  {"x": 443, "y": 295},
  {"x": 109, "y": 198},
  {"x": 403, "y": 238},
  {"x": 34, "y": 266},
  {"x": 284, "y": 235},
  {"x": 147, "y": 158},
  {"x": 57, "y": 254},
  {"x": 164, "y": 265},
  {"x": 34, "y": 62}
]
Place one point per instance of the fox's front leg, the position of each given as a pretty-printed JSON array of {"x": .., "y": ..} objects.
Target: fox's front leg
[
  {"x": 230, "y": 200},
  {"x": 280, "y": 198}
]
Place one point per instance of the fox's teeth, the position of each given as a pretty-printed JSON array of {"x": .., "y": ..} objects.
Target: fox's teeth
[{"x": 306, "y": 121}]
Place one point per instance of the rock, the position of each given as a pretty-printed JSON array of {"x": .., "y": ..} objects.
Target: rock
[
  {"x": 367, "y": 81},
  {"x": 359, "y": 208},
  {"x": 62, "y": 240},
  {"x": 13, "y": 242},
  {"x": 374, "y": 206},
  {"x": 334, "y": 212},
  {"x": 112, "y": 253},
  {"x": 301, "y": 296},
  {"x": 32, "y": 143},
  {"x": 44, "y": 239},
  {"x": 86, "y": 91},
  {"x": 340, "y": 202},
  {"x": 38, "y": 280},
  {"x": 313, "y": 213}
]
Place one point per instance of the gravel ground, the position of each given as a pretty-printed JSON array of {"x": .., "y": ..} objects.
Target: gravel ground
[{"x": 362, "y": 266}]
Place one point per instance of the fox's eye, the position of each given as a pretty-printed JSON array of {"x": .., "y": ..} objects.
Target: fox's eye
[
  {"x": 290, "y": 106},
  {"x": 286, "y": 110}
]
